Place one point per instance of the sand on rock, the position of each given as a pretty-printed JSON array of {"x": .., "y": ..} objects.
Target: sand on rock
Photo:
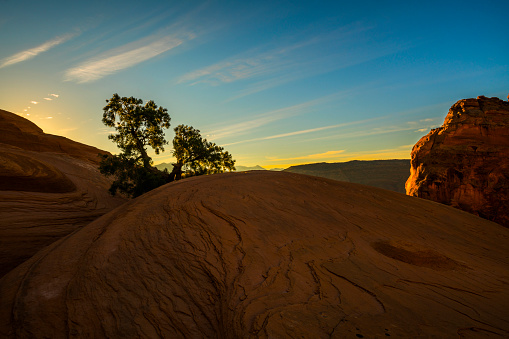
[{"x": 264, "y": 254}]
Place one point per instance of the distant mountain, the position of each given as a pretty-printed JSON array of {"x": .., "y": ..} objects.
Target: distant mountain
[
  {"x": 388, "y": 174},
  {"x": 169, "y": 166},
  {"x": 164, "y": 165},
  {"x": 249, "y": 168}
]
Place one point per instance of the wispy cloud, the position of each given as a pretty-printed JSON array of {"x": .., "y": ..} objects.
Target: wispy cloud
[
  {"x": 105, "y": 131},
  {"x": 275, "y": 115},
  {"x": 267, "y": 67},
  {"x": 409, "y": 126},
  {"x": 260, "y": 120},
  {"x": 366, "y": 132},
  {"x": 50, "y": 97},
  {"x": 383, "y": 129},
  {"x": 32, "y": 52},
  {"x": 425, "y": 124},
  {"x": 306, "y": 131},
  {"x": 401, "y": 152},
  {"x": 293, "y": 71},
  {"x": 321, "y": 156},
  {"x": 265, "y": 60},
  {"x": 121, "y": 58},
  {"x": 237, "y": 69}
]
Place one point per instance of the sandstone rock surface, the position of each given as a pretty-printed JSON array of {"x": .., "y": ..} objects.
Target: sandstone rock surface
[
  {"x": 22, "y": 133},
  {"x": 266, "y": 254},
  {"x": 49, "y": 187},
  {"x": 465, "y": 163}
]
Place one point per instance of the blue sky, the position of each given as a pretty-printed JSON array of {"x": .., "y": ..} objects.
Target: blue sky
[{"x": 275, "y": 82}]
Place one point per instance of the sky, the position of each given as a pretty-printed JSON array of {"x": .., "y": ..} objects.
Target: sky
[{"x": 276, "y": 83}]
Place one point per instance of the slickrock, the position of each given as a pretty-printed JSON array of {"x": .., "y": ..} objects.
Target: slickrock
[
  {"x": 465, "y": 163},
  {"x": 22, "y": 133},
  {"x": 266, "y": 254},
  {"x": 45, "y": 191}
]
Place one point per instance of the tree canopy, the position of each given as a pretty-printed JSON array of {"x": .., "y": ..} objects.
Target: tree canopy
[
  {"x": 137, "y": 126},
  {"x": 140, "y": 126},
  {"x": 196, "y": 156}
]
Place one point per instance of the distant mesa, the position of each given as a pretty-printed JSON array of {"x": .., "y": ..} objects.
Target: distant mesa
[
  {"x": 266, "y": 254},
  {"x": 386, "y": 174},
  {"x": 465, "y": 163},
  {"x": 49, "y": 187}
]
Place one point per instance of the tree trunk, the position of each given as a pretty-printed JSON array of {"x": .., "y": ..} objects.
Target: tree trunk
[
  {"x": 145, "y": 157},
  {"x": 176, "y": 172},
  {"x": 141, "y": 148}
]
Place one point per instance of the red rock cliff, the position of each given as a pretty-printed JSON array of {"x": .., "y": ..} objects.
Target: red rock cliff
[{"x": 465, "y": 163}]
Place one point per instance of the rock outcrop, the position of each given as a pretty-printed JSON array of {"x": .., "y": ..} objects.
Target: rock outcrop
[
  {"x": 22, "y": 133},
  {"x": 266, "y": 254},
  {"x": 465, "y": 163},
  {"x": 49, "y": 187}
]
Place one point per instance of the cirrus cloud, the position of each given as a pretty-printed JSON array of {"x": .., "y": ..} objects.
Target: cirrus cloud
[
  {"x": 32, "y": 52},
  {"x": 326, "y": 155},
  {"x": 120, "y": 58}
]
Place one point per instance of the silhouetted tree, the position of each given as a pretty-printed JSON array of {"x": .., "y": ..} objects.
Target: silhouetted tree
[
  {"x": 196, "y": 156},
  {"x": 137, "y": 126}
]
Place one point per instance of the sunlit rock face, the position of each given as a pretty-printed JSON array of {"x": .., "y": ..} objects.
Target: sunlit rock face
[
  {"x": 465, "y": 163},
  {"x": 49, "y": 187},
  {"x": 266, "y": 254}
]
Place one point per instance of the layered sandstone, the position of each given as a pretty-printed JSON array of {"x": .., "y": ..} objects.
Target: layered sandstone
[
  {"x": 22, "y": 133},
  {"x": 266, "y": 254},
  {"x": 465, "y": 163},
  {"x": 49, "y": 187}
]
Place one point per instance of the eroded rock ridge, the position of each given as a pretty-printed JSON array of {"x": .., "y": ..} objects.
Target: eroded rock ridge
[
  {"x": 49, "y": 187},
  {"x": 465, "y": 163}
]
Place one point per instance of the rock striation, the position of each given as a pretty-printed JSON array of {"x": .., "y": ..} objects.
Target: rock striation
[
  {"x": 465, "y": 163},
  {"x": 266, "y": 254},
  {"x": 49, "y": 187}
]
